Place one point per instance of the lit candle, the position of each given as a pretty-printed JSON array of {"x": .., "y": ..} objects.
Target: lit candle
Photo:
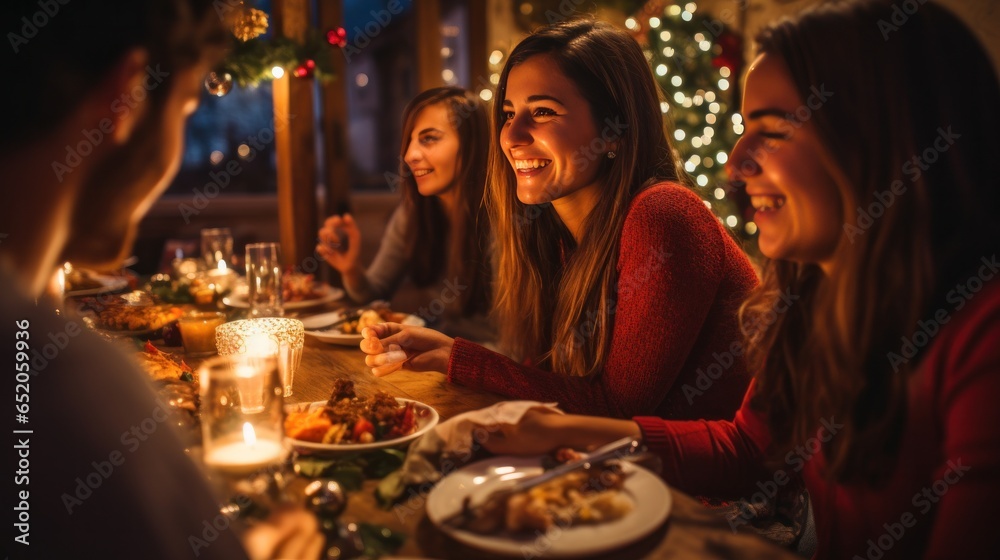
[
  {"x": 242, "y": 457},
  {"x": 222, "y": 277}
]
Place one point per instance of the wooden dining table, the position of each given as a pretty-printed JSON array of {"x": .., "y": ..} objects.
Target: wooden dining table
[{"x": 690, "y": 531}]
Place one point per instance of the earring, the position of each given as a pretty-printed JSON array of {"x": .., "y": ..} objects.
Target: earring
[{"x": 611, "y": 155}]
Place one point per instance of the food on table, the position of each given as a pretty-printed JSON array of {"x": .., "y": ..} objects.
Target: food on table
[
  {"x": 577, "y": 498},
  {"x": 299, "y": 287},
  {"x": 116, "y": 314},
  {"x": 177, "y": 385},
  {"x": 160, "y": 365},
  {"x": 78, "y": 279},
  {"x": 370, "y": 318},
  {"x": 349, "y": 419}
]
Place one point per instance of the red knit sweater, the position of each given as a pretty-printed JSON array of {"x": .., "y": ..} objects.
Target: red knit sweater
[
  {"x": 675, "y": 349},
  {"x": 941, "y": 500}
]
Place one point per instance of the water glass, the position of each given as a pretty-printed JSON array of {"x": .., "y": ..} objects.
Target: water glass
[
  {"x": 263, "y": 264},
  {"x": 216, "y": 245}
]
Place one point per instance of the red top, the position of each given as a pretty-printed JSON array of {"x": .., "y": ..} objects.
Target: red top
[
  {"x": 675, "y": 350},
  {"x": 940, "y": 501}
]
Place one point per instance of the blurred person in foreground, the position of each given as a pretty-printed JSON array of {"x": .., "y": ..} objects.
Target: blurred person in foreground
[{"x": 94, "y": 135}]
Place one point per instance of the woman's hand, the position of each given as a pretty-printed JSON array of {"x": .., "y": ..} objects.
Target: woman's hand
[
  {"x": 390, "y": 346},
  {"x": 290, "y": 532},
  {"x": 542, "y": 430},
  {"x": 537, "y": 433},
  {"x": 330, "y": 245}
]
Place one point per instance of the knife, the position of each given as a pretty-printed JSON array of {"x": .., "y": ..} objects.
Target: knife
[{"x": 619, "y": 449}]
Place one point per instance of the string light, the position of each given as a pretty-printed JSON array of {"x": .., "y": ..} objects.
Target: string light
[
  {"x": 661, "y": 70},
  {"x": 731, "y": 221},
  {"x": 654, "y": 22},
  {"x": 719, "y": 193},
  {"x": 277, "y": 72}
]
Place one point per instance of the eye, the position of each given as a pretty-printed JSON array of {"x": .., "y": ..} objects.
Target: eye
[
  {"x": 543, "y": 112},
  {"x": 508, "y": 115},
  {"x": 427, "y": 140}
]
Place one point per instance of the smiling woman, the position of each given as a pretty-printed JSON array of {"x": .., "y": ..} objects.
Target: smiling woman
[
  {"x": 616, "y": 287},
  {"x": 439, "y": 234}
]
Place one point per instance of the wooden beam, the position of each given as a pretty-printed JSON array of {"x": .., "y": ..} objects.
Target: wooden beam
[
  {"x": 479, "y": 65},
  {"x": 294, "y": 144},
  {"x": 427, "y": 15},
  {"x": 335, "y": 119}
]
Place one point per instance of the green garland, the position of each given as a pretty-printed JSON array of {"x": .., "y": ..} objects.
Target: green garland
[{"x": 250, "y": 62}]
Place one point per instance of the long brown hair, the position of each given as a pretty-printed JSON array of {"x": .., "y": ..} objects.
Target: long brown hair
[
  {"x": 560, "y": 314},
  {"x": 466, "y": 235},
  {"x": 836, "y": 355}
]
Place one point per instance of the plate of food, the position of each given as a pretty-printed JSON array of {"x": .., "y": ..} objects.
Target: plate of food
[
  {"x": 338, "y": 327},
  {"x": 82, "y": 282},
  {"x": 298, "y": 293},
  {"x": 580, "y": 513},
  {"x": 347, "y": 423},
  {"x": 119, "y": 317}
]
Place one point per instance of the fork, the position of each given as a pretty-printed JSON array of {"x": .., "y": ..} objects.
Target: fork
[{"x": 621, "y": 449}]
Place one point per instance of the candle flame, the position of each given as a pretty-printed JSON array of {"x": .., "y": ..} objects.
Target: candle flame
[
  {"x": 260, "y": 345},
  {"x": 249, "y": 436},
  {"x": 222, "y": 266}
]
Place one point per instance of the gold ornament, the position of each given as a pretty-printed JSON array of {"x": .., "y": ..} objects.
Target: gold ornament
[{"x": 249, "y": 23}]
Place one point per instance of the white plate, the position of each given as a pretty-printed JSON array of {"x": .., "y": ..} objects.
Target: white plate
[
  {"x": 239, "y": 298},
  {"x": 426, "y": 418},
  {"x": 333, "y": 337},
  {"x": 650, "y": 497},
  {"x": 108, "y": 284}
]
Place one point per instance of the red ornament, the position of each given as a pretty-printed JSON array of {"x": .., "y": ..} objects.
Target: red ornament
[
  {"x": 337, "y": 37},
  {"x": 732, "y": 52},
  {"x": 305, "y": 69}
]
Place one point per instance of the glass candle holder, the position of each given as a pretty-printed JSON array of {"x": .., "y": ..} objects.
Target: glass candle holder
[
  {"x": 221, "y": 277},
  {"x": 198, "y": 332},
  {"x": 242, "y": 414},
  {"x": 279, "y": 337}
]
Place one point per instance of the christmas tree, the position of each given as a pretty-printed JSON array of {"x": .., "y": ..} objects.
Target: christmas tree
[{"x": 696, "y": 61}]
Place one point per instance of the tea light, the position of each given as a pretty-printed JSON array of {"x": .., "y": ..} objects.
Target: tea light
[
  {"x": 198, "y": 332},
  {"x": 222, "y": 277},
  {"x": 242, "y": 414},
  {"x": 183, "y": 267},
  {"x": 245, "y": 455},
  {"x": 280, "y": 337}
]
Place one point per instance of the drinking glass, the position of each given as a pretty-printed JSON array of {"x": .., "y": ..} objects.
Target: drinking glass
[
  {"x": 263, "y": 264},
  {"x": 216, "y": 245}
]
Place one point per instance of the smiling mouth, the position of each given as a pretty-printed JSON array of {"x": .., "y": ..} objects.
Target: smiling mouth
[
  {"x": 529, "y": 165},
  {"x": 767, "y": 203},
  {"x": 421, "y": 172}
]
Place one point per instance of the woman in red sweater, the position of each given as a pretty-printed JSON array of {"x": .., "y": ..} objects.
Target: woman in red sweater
[
  {"x": 879, "y": 386},
  {"x": 616, "y": 285}
]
